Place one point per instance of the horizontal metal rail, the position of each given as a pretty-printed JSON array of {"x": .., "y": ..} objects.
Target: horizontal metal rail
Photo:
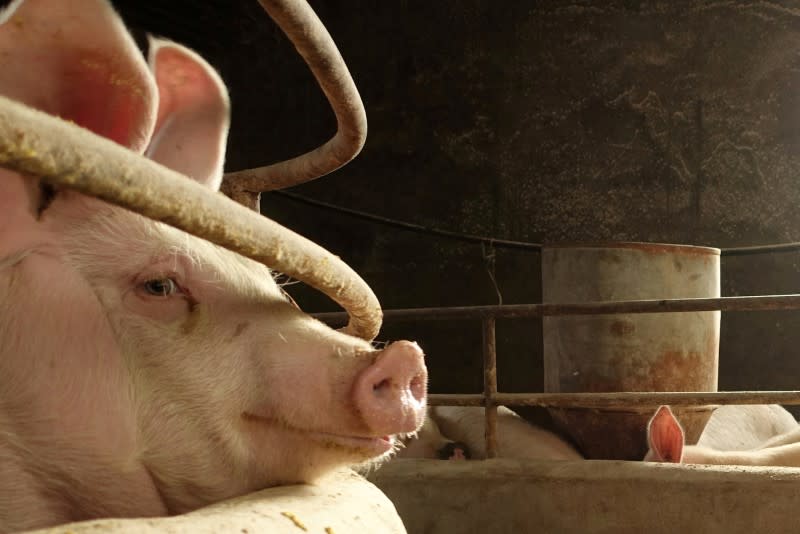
[
  {"x": 618, "y": 399},
  {"x": 517, "y": 311},
  {"x": 491, "y": 398}
]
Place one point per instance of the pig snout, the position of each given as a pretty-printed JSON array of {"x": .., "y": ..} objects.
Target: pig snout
[{"x": 390, "y": 394}]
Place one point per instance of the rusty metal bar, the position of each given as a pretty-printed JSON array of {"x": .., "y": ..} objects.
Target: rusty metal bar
[
  {"x": 517, "y": 311},
  {"x": 620, "y": 399},
  {"x": 66, "y": 155},
  {"x": 490, "y": 385},
  {"x": 309, "y": 36}
]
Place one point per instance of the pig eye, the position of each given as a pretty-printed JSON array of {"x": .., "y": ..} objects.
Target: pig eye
[{"x": 161, "y": 287}]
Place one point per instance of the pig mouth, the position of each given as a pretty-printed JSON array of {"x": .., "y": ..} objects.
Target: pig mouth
[
  {"x": 374, "y": 446},
  {"x": 371, "y": 446}
]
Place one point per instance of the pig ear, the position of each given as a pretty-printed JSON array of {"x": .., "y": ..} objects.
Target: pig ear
[
  {"x": 77, "y": 62},
  {"x": 74, "y": 60},
  {"x": 665, "y": 436},
  {"x": 193, "y": 113}
]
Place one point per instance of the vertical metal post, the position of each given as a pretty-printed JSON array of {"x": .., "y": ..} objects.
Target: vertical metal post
[{"x": 490, "y": 385}]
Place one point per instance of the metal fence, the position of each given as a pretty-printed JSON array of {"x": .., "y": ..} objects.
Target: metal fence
[{"x": 491, "y": 397}]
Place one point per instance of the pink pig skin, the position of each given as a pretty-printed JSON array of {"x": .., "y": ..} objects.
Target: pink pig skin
[{"x": 144, "y": 371}]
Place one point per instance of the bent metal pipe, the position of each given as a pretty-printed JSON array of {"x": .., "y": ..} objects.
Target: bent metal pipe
[
  {"x": 313, "y": 42},
  {"x": 66, "y": 155}
]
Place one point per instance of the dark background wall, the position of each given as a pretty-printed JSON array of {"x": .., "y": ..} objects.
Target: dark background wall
[{"x": 535, "y": 121}]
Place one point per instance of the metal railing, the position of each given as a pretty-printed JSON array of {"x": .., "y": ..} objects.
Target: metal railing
[{"x": 491, "y": 397}]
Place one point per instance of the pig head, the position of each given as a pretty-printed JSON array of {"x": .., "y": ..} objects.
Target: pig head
[{"x": 144, "y": 371}]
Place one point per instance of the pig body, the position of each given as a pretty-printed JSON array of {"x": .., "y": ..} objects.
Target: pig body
[
  {"x": 745, "y": 441},
  {"x": 144, "y": 371},
  {"x": 516, "y": 438},
  {"x": 429, "y": 442},
  {"x": 743, "y": 427}
]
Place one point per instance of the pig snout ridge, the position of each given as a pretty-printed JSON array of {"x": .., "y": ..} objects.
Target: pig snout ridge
[{"x": 391, "y": 393}]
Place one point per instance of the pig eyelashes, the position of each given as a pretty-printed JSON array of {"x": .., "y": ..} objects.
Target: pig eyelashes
[
  {"x": 165, "y": 299},
  {"x": 161, "y": 287}
]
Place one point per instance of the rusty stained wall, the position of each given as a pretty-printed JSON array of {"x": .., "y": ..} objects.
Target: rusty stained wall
[{"x": 550, "y": 121}]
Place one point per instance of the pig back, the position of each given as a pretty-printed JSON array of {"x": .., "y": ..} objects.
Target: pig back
[
  {"x": 516, "y": 438},
  {"x": 745, "y": 427}
]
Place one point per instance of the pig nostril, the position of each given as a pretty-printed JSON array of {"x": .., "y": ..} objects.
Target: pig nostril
[{"x": 383, "y": 384}]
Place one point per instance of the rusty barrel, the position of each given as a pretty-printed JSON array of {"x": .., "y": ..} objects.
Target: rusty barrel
[{"x": 629, "y": 352}]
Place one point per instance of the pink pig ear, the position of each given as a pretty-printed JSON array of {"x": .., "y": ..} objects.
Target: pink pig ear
[
  {"x": 193, "y": 113},
  {"x": 665, "y": 436},
  {"x": 76, "y": 60}
]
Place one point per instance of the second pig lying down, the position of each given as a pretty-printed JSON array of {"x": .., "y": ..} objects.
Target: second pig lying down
[
  {"x": 448, "y": 428},
  {"x": 735, "y": 435}
]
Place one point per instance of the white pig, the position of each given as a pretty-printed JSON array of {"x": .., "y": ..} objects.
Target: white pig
[
  {"x": 144, "y": 371},
  {"x": 667, "y": 442},
  {"x": 739, "y": 427},
  {"x": 516, "y": 438},
  {"x": 429, "y": 442}
]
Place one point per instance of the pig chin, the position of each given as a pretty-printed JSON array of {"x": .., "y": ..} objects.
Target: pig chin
[{"x": 324, "y": 449}]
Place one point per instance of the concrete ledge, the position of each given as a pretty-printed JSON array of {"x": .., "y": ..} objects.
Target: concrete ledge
[
  {"x": 518, "y": 496},
  {"x": 343, "y": 504}
]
